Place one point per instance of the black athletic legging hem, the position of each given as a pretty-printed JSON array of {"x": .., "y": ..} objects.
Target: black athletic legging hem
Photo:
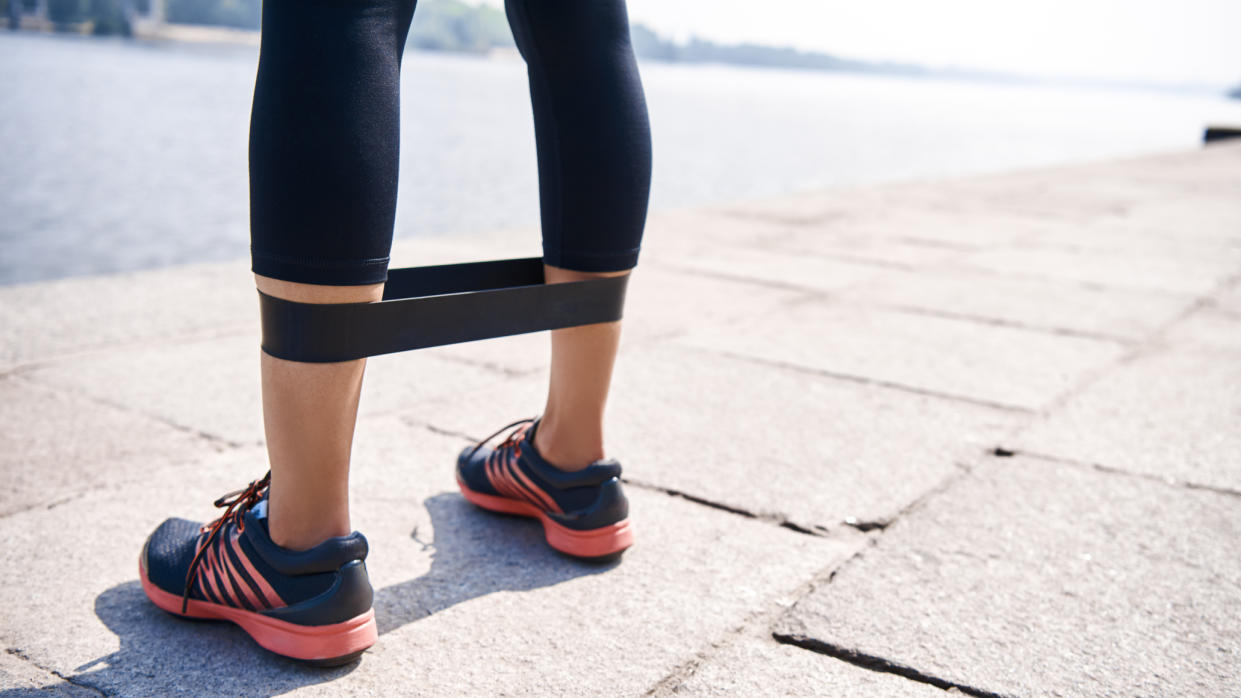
[{"x": 325, "y": 272}]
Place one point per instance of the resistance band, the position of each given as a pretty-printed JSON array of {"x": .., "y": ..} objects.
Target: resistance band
[{"x": 432, "y": 306}]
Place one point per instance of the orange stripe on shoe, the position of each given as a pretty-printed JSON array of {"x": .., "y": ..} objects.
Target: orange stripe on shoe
[
  {"x": 499, "y": 479},
  {"x": 239, "y": 581},
  {"x": 219, "y": 579},
  {"x": 206, "y": 577},
  {"x": 542, "y": 497},
  {"x": 516, "y": 491},
  {"x": 265, "y": 589}
]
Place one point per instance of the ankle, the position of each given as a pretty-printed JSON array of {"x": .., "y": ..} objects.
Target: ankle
[
  {"x": 291, "y": 536},
  {"x": 567, "y": 449},
  {"x": 301, "y": 522}
]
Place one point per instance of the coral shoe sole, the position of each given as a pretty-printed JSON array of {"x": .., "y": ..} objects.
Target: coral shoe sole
[
  {"x": 595, "y": 544},
  {"x": 322, "y": 645}
]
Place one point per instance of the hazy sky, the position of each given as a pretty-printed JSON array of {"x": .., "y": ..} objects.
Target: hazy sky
[{"x": 1177, "y": 41}]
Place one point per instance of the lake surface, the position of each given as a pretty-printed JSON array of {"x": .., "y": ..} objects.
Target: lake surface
[{"x": 119, "y": 155}]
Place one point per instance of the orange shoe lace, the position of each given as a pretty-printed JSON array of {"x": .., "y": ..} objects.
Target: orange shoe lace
[
  {"x": 510, "y": 440},
  {"x": 235, "y": 505}
]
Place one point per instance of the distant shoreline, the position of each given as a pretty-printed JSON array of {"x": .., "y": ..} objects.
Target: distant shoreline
[
  {"x": 232, "y": 36},
  {"x": 197, "y": 33}
]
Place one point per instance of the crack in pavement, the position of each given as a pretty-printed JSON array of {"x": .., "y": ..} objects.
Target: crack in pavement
[
  {"x": 1113, "y": 470},
  {"x": 783, "y": 522},
  {"x": 21, "y": 654},
  {"x": 878, "y": 664},
  {"x": 865, "y": 380},
  {"x": 219, "y": 442}
]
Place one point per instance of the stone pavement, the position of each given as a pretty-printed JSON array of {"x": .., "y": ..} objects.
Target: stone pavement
[{"x": 980, "y": 435}]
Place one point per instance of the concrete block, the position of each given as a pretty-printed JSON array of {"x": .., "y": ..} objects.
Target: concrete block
[
  {"x": 1171, "y": 413},
  {"x": 44, "y": 320},
  {"x": 1052, "y": 305},
  {"x": 774, "y": 267},
  {"x": 756, "y": 665},
  {"x": 55, "y": 446},
  {"x": 20, "y": 677},
  {"x": 1193, "y": 273},
  {"x": 997, "y": 365},
  {"x": 1030, "y": 578}
]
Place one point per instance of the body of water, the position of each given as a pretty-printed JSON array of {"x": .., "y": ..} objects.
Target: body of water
[{"x": 118, "y": 155}]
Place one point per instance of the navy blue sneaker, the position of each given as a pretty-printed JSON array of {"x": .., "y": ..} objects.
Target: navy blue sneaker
[
  {"x": 584, "y": 514},
  {"x": 313, "y": 605}
]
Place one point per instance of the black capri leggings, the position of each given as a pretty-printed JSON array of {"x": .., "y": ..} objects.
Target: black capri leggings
[{"x": 325, "y": 126}]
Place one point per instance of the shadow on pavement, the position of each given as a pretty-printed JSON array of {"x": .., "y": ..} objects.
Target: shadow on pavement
[{"x": 474, "y": 553}]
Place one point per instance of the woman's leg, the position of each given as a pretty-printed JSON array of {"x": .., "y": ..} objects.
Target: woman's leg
[
  {"x": 323, "y": 175},
  {"x": 570, "y": 434},
  {"x": 594, "y": 155}
]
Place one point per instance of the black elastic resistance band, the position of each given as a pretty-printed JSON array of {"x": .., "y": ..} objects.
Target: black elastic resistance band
[{"x": 432, "y": 306}]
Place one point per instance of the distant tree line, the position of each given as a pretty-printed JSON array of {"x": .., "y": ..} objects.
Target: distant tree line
[
  {"x": 453, "y": 25},
  {"x": 648, "y": 44},
  {"x": 106, "y": 16}
]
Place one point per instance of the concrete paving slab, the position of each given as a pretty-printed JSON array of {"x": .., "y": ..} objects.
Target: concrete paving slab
[
  {"x": 453, "y": 584},
  {"x": 1193, "y": 273},
  {"x": 1052, "y": 305},
  {"x": 1030, "y": 578},
  {"x": 770, "y": 441},
  {"x": 1171, "y": 413},
  {"x": 212, "y": 386},
  {"x": 40, "y": 321},
  {"x": 1229, "y": 300},
  {"x": 677, "y": 233},
  {"x": 773, "y": 267},
  {"x": 1210, "y": 329},
  {"x": 20, "y": 677},
  {"x": 756, "y": 665},
  {"x": 55, "y": 446},
  {"x": 1004, "y": 366},
  {"x": 888, "y": 246},
  {"x": 916, "y": 214}
]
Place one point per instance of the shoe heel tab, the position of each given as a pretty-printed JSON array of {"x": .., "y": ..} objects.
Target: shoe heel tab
[
  {"x": 328, "y": 556},
  {"x": 350, "y": 595},
  {"x": 610, "y": 506}
]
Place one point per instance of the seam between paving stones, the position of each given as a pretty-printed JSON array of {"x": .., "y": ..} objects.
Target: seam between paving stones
[
  {"x": 54, "y": 359},
  {"x": 213, "y": 439},
  {"x": 873, "y": 662},
  {"x": 781, "y": 521},
  {"x": 736, "y": 278},
  {"x": 878, "y": 664},
  {"x": 20, "y": 654},
  {"x": 1113, "y": 470},
  {"x": 1011, "y": 324},
  {"x": 816, "y": 530},
  {"x": 762, "y": 617},
  {"x": 1147, "y": 346},
  {"x": 865, "y": 380}
]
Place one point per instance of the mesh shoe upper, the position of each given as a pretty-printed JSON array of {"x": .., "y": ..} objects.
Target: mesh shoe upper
[{"x": 242, "y": 567}]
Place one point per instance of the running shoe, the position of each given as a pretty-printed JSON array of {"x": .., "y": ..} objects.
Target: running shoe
[
  {"x": 312, "y": 605},
  {"x": 584, "y": 513}
]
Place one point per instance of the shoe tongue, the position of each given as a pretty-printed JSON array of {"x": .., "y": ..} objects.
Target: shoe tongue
[{"x": 260, "y": 510}]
